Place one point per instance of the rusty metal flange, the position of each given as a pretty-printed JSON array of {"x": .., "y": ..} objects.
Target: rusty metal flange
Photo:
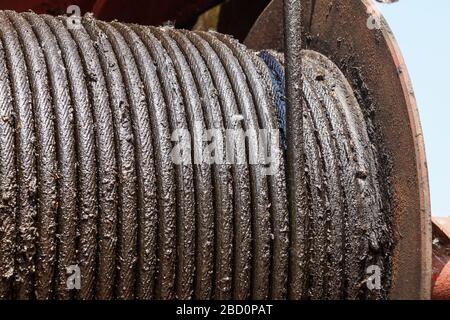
[{"x": 372, "y": 62}]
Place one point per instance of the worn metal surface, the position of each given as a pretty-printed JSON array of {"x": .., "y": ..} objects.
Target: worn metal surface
[
  {"x": 295, "y": 166},
  {"x": 372, "y": 62}
]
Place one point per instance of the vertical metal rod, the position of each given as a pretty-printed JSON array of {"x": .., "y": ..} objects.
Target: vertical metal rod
[{"x": 295, "y": 151}]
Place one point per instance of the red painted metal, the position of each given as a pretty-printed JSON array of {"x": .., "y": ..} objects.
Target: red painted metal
[
  {"x": 441, "y": 259},
  {"x": 441, "y": 290},
  {"x": 147, "y": 12}
]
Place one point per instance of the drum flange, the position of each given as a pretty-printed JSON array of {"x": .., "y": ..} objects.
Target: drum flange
[{"x": 354, "y": 35}]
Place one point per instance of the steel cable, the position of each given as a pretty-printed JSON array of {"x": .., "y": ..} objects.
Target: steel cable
[
  {"x": 26, "y": 188},
  {"x": 116, "y": 158}
]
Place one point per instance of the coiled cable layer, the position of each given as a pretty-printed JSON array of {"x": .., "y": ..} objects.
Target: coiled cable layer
[{"x": 91, "y": 116}]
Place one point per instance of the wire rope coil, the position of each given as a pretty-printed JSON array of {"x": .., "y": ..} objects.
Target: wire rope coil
[{"x": 90, "y": 119}]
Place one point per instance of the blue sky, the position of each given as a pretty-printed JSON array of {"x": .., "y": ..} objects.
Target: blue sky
[{"x": 422, "y": 29}]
